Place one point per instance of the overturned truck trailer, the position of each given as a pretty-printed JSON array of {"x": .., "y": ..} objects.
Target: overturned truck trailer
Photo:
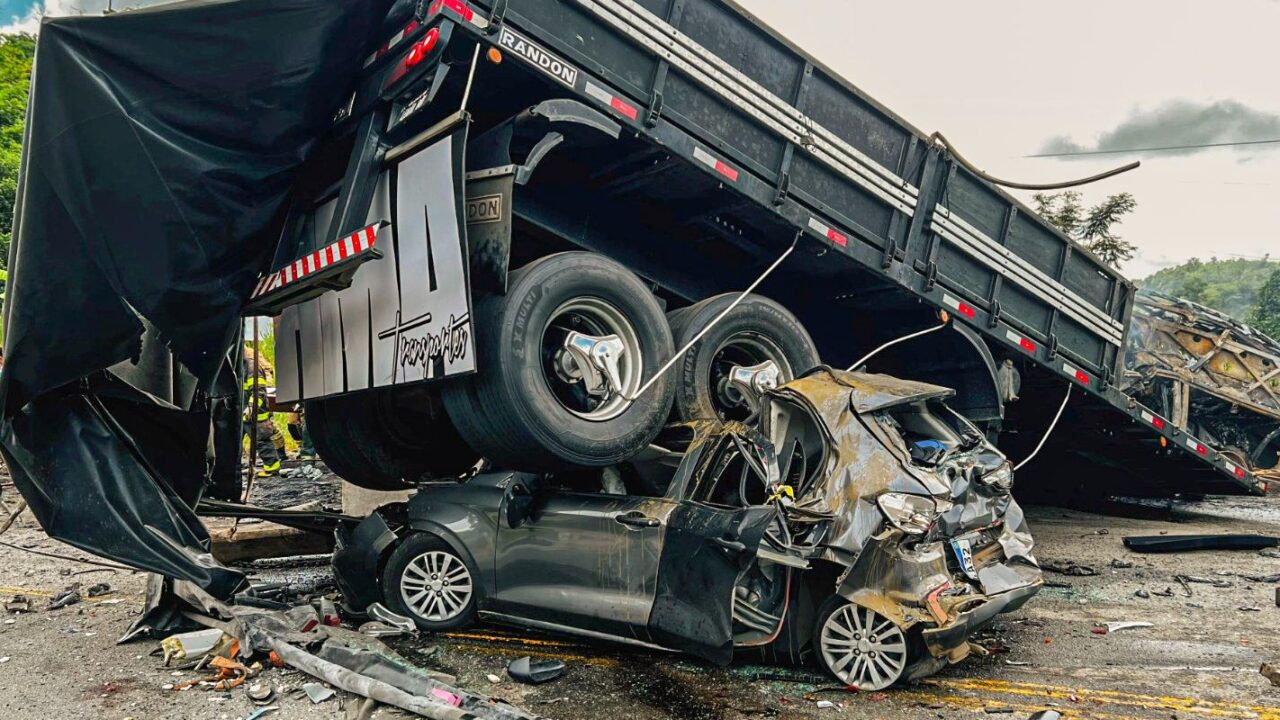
[{"x": 513, "y": 230}]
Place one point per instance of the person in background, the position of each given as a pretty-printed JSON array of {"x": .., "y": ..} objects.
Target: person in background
[
  {"x": 298, "y": 431},
  {"x": 270, "y": 440}
]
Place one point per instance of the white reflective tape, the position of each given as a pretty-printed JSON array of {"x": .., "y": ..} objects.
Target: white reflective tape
[
  {"x": 323, "y": 258},
  {"x": 705, "y": 158},
  {"x": 817, "y": 226},
  {"x": 349, "y": 245},
  {"x": 1013, "y": 337},
  {"x": 599, "y": 93}
]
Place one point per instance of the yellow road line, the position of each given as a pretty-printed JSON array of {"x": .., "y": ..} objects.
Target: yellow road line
[
  {"x": 979, "y": 704},
  {"x": 508, "y": 651},
  {"x": 1113, "y": 697},
  {"x": 511, "y": 639}
]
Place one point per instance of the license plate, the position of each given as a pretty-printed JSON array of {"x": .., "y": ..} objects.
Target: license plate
[{"x": 962, "y": 547}]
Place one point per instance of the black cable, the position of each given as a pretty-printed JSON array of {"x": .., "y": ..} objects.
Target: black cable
[
  {"x": 939, "y": 139},
  {"x": 1166, "y": 148}
]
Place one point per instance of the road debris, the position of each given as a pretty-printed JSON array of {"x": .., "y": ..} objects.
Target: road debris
[
  {"x": 97, "y": 590},
  {"x": 1218, "y": 583},
  {"x": 380, "y": 613},
  {"x": 317, "y": 693},
  {"x": 260, "y": 693},
  {"x": 260, "y": 712},
  {"x": 531, "y": 672},
  {"x": 192, "y": 645},
  {"x": 1142, "y": 593},
  {"x": 66, "y": 598},
  {"x": 1068, "y": 567},
  {"x": 1271, "y": 672},
  {"x": 1121, "y": 564},
  {"x": 1190, "y": 543},
  {"x": 1112, "y": 627},
  {"x": 18, "y": 604}
]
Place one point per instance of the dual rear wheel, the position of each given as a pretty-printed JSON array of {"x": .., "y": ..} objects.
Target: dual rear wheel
[{"x": 562, "y": 359}]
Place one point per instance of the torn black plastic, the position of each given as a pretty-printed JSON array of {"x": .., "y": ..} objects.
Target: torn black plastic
[{"x": 161, "y": 146}]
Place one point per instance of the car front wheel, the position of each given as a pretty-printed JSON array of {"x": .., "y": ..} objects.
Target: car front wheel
[{"x": 425, "y": 579}]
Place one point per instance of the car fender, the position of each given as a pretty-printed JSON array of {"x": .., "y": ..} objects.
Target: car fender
[{"x": 470, "y": 532}]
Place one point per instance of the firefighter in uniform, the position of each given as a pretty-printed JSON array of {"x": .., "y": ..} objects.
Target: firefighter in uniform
[{"x": 271, "y": 447}]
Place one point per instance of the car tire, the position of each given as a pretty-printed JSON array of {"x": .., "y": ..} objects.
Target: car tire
[
  {"x": 522, "y": 409},
  {"x": 755, "y": 331},
  {"x": 841, "y": 626},
  {"x": 387, "y": 439},
  {"x": 407, "y": 584}
]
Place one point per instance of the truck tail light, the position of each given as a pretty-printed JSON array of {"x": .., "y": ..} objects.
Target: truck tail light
[{"x": 423, "y": 47}]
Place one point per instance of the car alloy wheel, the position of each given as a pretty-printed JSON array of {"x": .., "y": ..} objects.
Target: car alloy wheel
[
  {"x": 436, "y": 586},
  {"x": 862, "y": 648}
]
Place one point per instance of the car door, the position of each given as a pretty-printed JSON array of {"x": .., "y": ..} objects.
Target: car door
[{"x": 583, "y": 561}]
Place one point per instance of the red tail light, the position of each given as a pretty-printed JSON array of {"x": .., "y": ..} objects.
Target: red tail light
[{"x": 423, "y": 47}]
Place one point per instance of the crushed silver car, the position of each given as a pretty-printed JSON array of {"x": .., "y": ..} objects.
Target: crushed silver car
[{"x": 856, "y": 520}]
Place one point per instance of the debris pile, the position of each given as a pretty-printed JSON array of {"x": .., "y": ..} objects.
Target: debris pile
[{"x": 239, "y": 645}]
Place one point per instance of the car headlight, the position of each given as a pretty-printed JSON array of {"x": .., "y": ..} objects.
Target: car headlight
[
  {"x": 912, "y": 514},
  {"x": 1001, "y": 477}
]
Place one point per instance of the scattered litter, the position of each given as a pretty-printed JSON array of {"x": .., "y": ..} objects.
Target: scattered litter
[
  {"x": 261, "y": 711},
  {"x": 1266, "y": 579},
  {"x": 493, "y": 678},
  {"x": 997, "y": 710},
  {"x": 97, "y": 590},
  {"x": 191, "y": 644},
  {"x": 446, "y": 696},
  {"x": 1250, "y": 608},
  {"x": 1144, "y": 594},
  {"x": 260, "y": 693},
  {"x": 380, "y": 613},
  {"x": 1111, "y": 627},
  {"x": 1271, "y": 553},
  {"x": 1046, "y": 715},
  {"x": 825, "y": 704},
  {"x": 1068, "y": 567},
  {"x": 1167, "y": 592},
  {"x": 112, "y": 601},
  {"x": 4, "y": 659},
  {"x": 1271, "y": 672},
  {"x": 18, "y": 604},
  {"x": 1017, "y": 663},
  {"x": 377, "y": 629},
  {"x": 317, "y": 692},
  {"x": 67, "y": 597},
  {"x": 1206, "y": 581},
  {"x": 1186, "y": 588},
  {"x": 531, "y": 672},
  {"x": 1121, "y": 564}
]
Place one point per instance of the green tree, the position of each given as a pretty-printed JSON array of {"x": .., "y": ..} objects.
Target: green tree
[
  {"x": 1266, "y": 313},
  {"x": 16, "y": 53},
  {"x": 1195, "y": 289},
  {"x": 1093, "y": 227}
]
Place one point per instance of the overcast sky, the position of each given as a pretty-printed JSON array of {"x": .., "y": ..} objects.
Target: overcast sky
[{"x": 1004, "y": 79}]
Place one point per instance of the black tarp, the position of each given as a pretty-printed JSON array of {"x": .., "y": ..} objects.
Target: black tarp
[{"x": 161, "y": 148}]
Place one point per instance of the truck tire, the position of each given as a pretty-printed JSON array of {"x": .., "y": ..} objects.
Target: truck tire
[
  {"x": 757, "y": 330},
  {"x": 524, "y": 409},
  {"x": 387, "y": 439}
]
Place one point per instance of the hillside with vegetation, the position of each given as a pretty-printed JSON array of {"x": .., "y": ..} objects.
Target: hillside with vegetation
[{"x": 1231, "y": 286}]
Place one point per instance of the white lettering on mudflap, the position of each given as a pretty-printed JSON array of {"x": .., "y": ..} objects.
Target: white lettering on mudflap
[{"x": 543, "y": 60}]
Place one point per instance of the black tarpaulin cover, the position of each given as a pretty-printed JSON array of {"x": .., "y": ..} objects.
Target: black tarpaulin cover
[{"x": 161, "y": 148}]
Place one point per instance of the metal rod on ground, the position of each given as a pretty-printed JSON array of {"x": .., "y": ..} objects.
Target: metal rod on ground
[
  {"x": 22, "y": 505},
  {"x": 891, "y": 343},
  {"x": 1048, "y": 432},
  {"x": 702, "y": 333}
]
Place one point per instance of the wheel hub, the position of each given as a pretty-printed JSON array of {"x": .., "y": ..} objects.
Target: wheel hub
[{"x": 594, "y": 361}]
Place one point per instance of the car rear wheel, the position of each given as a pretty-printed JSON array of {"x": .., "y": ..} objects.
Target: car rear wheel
[
  {"x": 387, "y": 439},
  {"x": 860, "y": 647},
  {"x": 574, "y": 336},
  {"x": 757, "y": 331},
  {"x": 425, "y": 579}
]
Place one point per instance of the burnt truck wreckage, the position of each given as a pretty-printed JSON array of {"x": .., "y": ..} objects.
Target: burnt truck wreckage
[
  {"x": 858, "y": 521},
  {"x": 516, "y": 232},
  {"x": 1210, "y": 375}
]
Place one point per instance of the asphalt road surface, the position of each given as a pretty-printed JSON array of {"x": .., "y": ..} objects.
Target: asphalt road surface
[{"x": 1200, "y": 660}]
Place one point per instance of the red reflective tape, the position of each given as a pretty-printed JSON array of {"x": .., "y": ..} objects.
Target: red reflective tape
[
  {"x": 370, "y": 235},
  {"x": 329, "y": 254},
  {"x": 1240, "y": 473},
  {"x": 624, "y": 107},
  {"x": 726, "y": 171},
  {"x": 1158, "y": 423},
  {"x": 1082, "y": 377},
  {"x": 458, "y": 6},
  {"x": 837, "y": 238},
  {"x": 1028, "y": 345},
  {"x": 966, "y": 310}
]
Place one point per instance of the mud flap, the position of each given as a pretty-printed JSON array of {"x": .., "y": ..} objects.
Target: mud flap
[{"x": 705, "y": 551}]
